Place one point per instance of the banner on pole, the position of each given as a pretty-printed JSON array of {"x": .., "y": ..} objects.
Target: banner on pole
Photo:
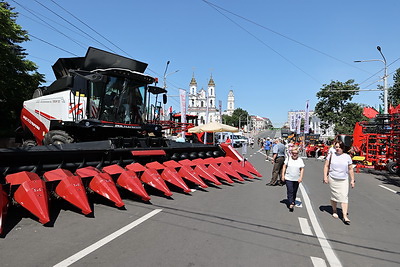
[
  {"x": 182, "y": 96},
  {"x": 220, "y": 111},
  {"x": 292, "y": 122},
  {"x": 307, "y": 119},
  {"x": 298, "y": 123}
]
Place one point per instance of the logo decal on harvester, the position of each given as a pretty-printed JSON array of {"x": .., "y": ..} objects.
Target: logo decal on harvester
[
  {"x": 31, "y": 122},
  {"x": 73, "y": 108}
]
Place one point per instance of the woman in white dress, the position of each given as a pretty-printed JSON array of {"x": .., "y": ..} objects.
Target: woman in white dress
[{"x": 338, "y": 167}]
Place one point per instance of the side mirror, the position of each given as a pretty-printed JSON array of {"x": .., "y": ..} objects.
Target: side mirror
[{"x": 164, "y": 97}]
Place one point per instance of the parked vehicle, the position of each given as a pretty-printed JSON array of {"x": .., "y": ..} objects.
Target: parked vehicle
[{"x": 223, "y": 136}]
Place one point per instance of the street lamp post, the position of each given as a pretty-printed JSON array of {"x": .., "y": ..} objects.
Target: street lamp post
[
  {"x": 165, "y": 82},
  {"x": 385, "y": 88}
]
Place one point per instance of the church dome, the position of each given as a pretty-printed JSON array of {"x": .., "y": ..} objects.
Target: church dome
[
  {"x": 193, "y": 81},
  {"x": 211, "y": 82}
]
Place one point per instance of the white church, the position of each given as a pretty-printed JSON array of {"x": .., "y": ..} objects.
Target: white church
[{"x": 203, "y": 102}]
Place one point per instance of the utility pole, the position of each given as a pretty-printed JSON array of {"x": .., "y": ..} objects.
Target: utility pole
[{"x": 385, "y": 87}]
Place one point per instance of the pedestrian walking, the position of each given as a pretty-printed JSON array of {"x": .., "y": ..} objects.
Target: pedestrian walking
[
  {"x": 251, "y": 141},
  {"x": 267, "y": 148},
  {"x": 292, "y": 175},
  {"x": 278, "y": 159},
  {"x": 338, "y": 167}
]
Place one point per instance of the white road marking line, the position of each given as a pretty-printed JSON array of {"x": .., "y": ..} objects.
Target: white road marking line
[
  {"x": 318, "y": 262},
  {"x": 298, "y": 202},
  {"x": 305, "y": 227},
  {"x": 77, "y": 256},
  {"x": 387, "y": 188},
  {"x": 326, "y": 247}
]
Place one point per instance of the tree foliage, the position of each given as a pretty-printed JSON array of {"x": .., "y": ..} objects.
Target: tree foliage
[
  {"x": 334, "y": 106},
  {"x": 238, "y": 114},
  {"x": 19, "y": 76},
  {"x": 394, "y": 91}
]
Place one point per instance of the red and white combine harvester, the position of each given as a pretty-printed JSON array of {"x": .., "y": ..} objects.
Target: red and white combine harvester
[{"x": 94, "y": 131}]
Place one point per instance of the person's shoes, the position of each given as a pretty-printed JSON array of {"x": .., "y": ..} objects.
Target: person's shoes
[
  {"x": 271, "y": 184},
  {"x": 291, "y": 207},
  {"x": 346, "y": 221},
  {"x": 334, "y": 215},
  {"x": 280, "y": 183}
]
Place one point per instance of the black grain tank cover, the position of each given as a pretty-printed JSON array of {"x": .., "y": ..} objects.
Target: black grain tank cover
[
  {"x": 62, "y": 65},
  {"x": 96, "y": 59}
]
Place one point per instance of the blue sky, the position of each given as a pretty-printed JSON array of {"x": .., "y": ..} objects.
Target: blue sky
[{"x": 274, "y": 55}]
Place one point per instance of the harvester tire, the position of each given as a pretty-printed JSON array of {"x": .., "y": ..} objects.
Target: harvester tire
[
  {"x": 392, "y": 167},
  {"x": 29, "y": 143},
  {"x": 57, "y": 137}
]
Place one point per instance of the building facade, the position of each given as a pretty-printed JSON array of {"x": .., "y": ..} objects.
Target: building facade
[{"x": 314, "y": 123}]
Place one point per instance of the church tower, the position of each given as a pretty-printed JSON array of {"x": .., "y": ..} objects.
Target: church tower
[
  {"x": 203, "y": 102},
  {"x": 193, "y": 93},
  {"x": 211, "y": 93},
  {"x": 231, "y": 103}
]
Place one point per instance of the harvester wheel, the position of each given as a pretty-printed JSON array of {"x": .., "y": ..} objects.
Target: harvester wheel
[
  {"x": 29, "y": 143},
  {"x": 392, "y": 167},
  {"x": 57, "y": 137}
]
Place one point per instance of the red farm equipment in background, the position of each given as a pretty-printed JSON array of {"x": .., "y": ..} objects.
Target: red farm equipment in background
[{"x": 376, "y": 142}]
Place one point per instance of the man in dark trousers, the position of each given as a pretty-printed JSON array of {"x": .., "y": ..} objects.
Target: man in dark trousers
[{"x": 278, "y": 159}]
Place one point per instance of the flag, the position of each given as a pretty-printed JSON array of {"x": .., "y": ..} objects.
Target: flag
[
  {"x": 182, "y": 96},
  {"x": 292, "y": 122},
  {"x": 220, "y": 110},
  {"x": 306, "y": 119},
  {"x": 298, "y": 123},
  {"x": 207, "y": 110}
]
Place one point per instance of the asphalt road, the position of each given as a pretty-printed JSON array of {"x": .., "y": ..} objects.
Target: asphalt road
[{"x": 243, "y": 224}]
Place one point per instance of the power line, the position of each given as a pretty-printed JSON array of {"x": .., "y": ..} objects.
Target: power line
[
  {"x": 50, "y": 26},
  {"x": 53, "y": 45},
  {"x": 282, "y": 35},
  {"x": 72, "y": 25},
  {"x": 90, "y": 27},
  {"x": 261, "y": 41},
  {"x": 298, "y": 42},
  {"x": 55, "y": 22}
]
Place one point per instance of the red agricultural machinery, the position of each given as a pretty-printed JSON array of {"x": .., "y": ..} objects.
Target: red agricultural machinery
[
  {"x": 376, "y": 143},
  {"x": 88, "y": 133}
]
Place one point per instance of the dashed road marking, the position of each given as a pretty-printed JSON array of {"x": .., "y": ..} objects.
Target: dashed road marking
[
  {"x": 318, "y": 262},
  {"x": 74, "y": 258},
  {"x": 391, "y": 190},
  {"x": 326, "y": 247},
  {"x": 305, "y": 226}
]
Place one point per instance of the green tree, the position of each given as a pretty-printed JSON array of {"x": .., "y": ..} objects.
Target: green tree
[
  {"x": 334, "y": 106},
  {"x": 394, "y": 91},
  {"x": 19, "y": 76},
  {"x": 239, "y": 114},
  {"x": 226, "y": 119}
]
